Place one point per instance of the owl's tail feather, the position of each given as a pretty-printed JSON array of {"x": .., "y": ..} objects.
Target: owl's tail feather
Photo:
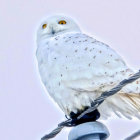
[
  {"x": 131, "y": 96},
  {"x": 126, "y": 102},
  {"x": 133, "y": 101},
  {"x": 122, "y": 104}
]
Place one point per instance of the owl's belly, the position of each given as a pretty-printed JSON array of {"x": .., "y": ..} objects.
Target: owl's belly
[
  {"x": 61, "y": 79},
  {"x": 68, "y": 99}
]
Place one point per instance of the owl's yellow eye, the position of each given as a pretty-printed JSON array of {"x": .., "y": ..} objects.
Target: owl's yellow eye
[
  {"x": 62, "y": 22},
  {"x": 44, "y": 26}
]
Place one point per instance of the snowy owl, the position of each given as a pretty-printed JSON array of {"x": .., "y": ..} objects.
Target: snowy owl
[{"x": 76, "y": 69}]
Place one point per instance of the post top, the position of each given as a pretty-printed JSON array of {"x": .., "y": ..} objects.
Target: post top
[{"x": 89, "y": 129}]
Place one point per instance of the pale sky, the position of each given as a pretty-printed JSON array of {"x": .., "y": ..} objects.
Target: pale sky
[{"x": 26, "y": 110}]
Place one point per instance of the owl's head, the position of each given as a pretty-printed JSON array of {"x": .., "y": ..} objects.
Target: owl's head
[{"x": 56, "y": 25}]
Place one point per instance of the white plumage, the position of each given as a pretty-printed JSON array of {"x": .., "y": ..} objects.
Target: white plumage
[{"x": 76, "y": 69}]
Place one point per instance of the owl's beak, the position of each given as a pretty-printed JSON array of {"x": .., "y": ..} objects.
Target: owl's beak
[{"x": 53, "y": 32}]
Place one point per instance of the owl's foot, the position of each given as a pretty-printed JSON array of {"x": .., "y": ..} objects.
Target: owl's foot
[{"x": 92, "y": 116}]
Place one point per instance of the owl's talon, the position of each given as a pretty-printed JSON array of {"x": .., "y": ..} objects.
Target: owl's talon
[{"x": 92, "y": 116}]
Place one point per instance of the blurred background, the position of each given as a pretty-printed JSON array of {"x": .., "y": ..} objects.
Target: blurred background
[{"x": 26, "y": 110}]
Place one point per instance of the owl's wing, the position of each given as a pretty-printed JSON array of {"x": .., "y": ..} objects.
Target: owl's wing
[
  {"x": 93, "y": 65},
  {"x": 94, "y": 68}
]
